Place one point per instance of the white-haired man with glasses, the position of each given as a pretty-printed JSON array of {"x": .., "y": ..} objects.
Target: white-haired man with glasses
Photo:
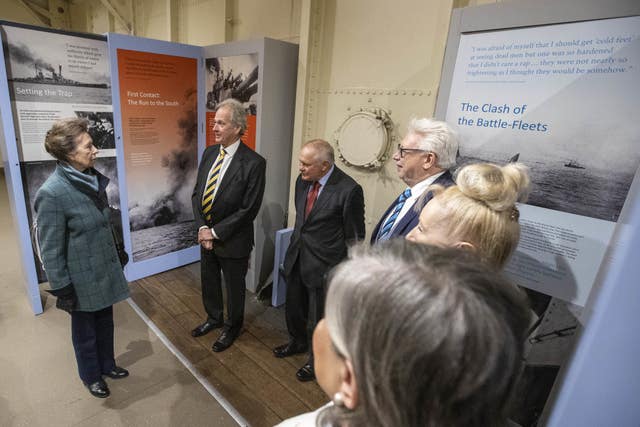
[{"x": 423, "y": 158}]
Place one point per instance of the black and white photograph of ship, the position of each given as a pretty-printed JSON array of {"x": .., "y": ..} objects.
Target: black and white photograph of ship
[
  {"x": 48, "y": 75},
  {"x": 586, "y": 162},
  {"x": 588, "y": 191},
  {"x": 56, "y": 68},
  {"x": 573, "y": 164}
]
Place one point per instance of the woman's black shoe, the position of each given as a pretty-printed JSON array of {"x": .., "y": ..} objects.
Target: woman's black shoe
[{"x": 99, "y": 389}]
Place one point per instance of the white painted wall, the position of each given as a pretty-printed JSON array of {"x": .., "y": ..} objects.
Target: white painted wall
[
  {"x": 368, "y": 53},
  {"x": 202, "y": 22},
  {"x": 277, "y": 19}
]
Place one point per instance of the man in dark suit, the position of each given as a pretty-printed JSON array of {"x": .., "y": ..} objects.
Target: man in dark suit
[
  {"x": 423, "y": 158},
  {"x": 226, "y": 200},
  {"x": 329, "y": 216}
]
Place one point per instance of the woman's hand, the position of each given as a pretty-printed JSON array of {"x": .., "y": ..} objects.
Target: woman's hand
[{"x": 67, "y": 298}]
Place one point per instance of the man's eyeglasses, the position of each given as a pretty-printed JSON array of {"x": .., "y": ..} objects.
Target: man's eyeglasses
[{"x": 404, "y": 151}]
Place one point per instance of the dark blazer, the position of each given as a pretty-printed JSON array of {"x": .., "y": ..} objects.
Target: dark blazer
[
  {"x": 336, "y": 220},
  {"x": 76, "y": 241},
  {"x": 237, "y": 201},
  {"x": 410, "y": 219}
]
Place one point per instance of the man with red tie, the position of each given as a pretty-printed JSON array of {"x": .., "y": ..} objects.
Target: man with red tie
[
  {"x": 225, "y": 201},
  {"x": 329, "y": 217}
]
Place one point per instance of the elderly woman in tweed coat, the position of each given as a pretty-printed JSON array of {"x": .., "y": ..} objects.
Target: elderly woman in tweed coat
[{"x": 78, "y": 251}]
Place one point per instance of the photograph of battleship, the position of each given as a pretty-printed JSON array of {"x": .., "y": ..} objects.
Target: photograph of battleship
[
  {"x": 568, "y": 186},
  {"x": 56, "y": 68},
  {"x": 585, "y": 163},
  {"x": 53, "y": 75},
  {"x": 47, "y": 74},
  {"x": 581, "y": 142}
]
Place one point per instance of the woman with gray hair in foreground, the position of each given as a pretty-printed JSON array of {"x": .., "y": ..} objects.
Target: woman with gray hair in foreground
[{"x": 415, "y": 335}]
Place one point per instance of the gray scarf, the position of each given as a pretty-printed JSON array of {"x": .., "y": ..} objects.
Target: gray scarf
[{"x": 81, "y": 179}]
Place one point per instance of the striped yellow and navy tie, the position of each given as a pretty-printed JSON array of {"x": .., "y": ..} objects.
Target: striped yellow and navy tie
[{"x": 212, "y": 183}]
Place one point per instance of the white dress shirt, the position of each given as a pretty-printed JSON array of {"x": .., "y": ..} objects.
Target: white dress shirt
[
  {"x": 231, "y": 151},
  {"x": 416, "y": 192}
]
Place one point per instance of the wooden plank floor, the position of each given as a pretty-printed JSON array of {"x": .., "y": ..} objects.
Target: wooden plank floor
[{"x": 262, "y": 388}]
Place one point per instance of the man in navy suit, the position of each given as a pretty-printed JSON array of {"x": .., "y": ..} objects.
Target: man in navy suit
[
  {"x": 423, "y": 158},
  {"x": 329, "y": 217},
  {"x": 226, "y": 199}
]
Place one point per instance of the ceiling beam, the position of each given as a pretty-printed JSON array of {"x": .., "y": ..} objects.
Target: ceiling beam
[
  {"x": 172, "y": 20},
  {"x": 38, "y": 12},
  {"x": 112, "y": 10}
]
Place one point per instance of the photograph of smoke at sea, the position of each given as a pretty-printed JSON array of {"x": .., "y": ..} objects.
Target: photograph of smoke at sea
[
  {"x": 163, "y": 239},
  {"x": 567, "y": 185},
  {"x": 161, "y": 218}
]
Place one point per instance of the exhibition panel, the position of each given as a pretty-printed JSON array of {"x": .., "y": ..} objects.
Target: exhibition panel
[
  {"x": 551, "y": 87},
  {"x": 156, "y": 97},
  {"x": 262, "y": 75},
  {"x": 149, "y": 105},
  {"x": 50, "y": 75}
]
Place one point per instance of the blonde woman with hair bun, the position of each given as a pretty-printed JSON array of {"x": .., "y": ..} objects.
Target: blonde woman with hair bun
[{"x": 479, "y": 213}]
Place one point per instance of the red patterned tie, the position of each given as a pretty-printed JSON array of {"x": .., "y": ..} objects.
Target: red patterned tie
[{"x": 312, "y": 196}]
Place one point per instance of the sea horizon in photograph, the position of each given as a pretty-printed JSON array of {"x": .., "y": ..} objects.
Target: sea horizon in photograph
[
  {"x": 163, "y": 239},
  {"x": 568, "y": 186}
]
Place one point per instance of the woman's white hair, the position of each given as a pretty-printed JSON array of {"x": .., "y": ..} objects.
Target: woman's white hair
[{"x": 435, "y": 336}]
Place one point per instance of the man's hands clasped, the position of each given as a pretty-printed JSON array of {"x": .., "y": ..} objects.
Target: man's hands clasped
[{"x": 205, "y": 238}]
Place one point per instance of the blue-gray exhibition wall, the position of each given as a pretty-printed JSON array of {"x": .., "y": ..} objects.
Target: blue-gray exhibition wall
[
  {"x": 601, "y": 385},
  {"x": 16, "y": 192}
]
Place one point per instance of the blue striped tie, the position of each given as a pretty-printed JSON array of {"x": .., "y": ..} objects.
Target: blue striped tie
[{"x": 385, "y": 230}]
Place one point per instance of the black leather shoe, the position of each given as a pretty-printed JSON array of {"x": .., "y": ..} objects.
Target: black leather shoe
[
  {"x": 99, "y": 389},
  {"x": 117, "y": 372},
  {"x": 205, "y": 328},
  {"x": 289, "y": 349},
  {"x": 306, "y": 373},
  {"x": 223, "y": 342}
]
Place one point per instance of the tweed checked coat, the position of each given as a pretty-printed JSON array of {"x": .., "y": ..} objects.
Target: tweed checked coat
[{"x": 76, "y": 241}]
